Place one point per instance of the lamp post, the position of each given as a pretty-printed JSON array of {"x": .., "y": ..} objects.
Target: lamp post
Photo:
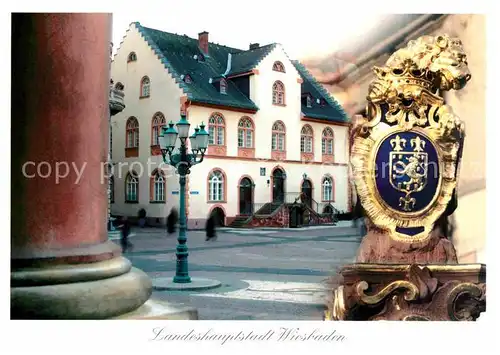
[{"x": 182, "y": 161}]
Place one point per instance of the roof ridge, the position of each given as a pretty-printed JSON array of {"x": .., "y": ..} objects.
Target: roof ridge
[
  {"x": 186, "y": 36},
  {"x": 329, "y": 97}
]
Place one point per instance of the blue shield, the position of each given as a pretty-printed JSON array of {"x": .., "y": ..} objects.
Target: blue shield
[{"x": 408, "y": 172}]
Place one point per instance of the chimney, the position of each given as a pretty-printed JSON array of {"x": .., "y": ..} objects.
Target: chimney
[
  {"x": 254, "y": 46},
  {"x": 203, "y": 41}
]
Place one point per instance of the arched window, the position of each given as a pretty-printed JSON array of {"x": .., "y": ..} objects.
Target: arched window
[
  {"x": 216, "y": 128},
  {"x": 278, "y": 66},
  {"x": 278, "y": 93},
  {"x": 158, "y": 186},
  {"x": 306, "y": 139},
  {"x": 245, "y": 133},
  {"x": 132, "y": 139},
  {"x": 327, "y": 141},
  {"x": 327, "y": 187},
  {"x": 216, "y": 186},
  {"x": 145, "y": 87},
  {"x": 132, "y": 57},
  {"x": 278, "y": 140},
  {"x": 156, "y": 125},
  {"x": 223, "y": 86},
  {"x": 132, "y": 187},
  {"x": 111, "y": 189},
  {"x": 119, "y": 86}
]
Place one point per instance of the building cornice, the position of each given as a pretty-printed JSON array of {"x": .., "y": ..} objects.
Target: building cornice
[
  {"x": 325, "y": 121},
  {"x": 221, "y": 107},
  {"x": 225, "y": 157},
  {"x": 247, "y": 73}
]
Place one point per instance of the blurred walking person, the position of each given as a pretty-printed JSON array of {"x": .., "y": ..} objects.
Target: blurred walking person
[
  {"x": 172, "y": 220},
  {"x": 210, "y": 228},
  {"x": 125, "y": 233}
]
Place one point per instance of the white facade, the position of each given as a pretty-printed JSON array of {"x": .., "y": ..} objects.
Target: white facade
[{"x": 166, "y": 96}]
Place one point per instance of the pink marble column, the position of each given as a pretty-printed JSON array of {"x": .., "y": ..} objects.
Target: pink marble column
[
  {"x": 60, "y": 133},
  {"x": 63, "y": 266}
]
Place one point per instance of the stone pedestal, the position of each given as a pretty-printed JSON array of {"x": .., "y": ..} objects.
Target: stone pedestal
[
  {"x": 62, "y": 265},
  {"x": 409, "y": 292}
]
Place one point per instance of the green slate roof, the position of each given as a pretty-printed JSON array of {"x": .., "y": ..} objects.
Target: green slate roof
[
  {"x": 332, "y": 111},
  {"x": 176, "y": 52}
]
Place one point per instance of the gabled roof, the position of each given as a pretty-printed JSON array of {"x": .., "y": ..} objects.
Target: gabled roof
[
  {"x": 332, "y": 111},
  {"x": 176, "y": 52}
]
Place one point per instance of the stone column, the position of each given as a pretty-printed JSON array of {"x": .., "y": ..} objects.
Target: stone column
[{"x": 63, "y": 265}]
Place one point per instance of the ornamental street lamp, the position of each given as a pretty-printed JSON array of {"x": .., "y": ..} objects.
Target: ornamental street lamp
[{"x": 182, "y": 161}]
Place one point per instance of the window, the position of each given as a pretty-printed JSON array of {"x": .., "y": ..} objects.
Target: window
[
  {"x": 278, "y": 141},
  {"x": 132, "y": 57},
  {"x": 119, "y": 86},
  {"x": 112, "y": 189},
  {"x": 132, "y": 139},
  {"x": 132, "y": 188},
  {"x": 308, "y": 101},
  {"x": 245, "y": 133},
  {"x": 156, "y": 125},
  {"x": 145, "y": 87},
  {"x": 223, "y": 86},
  {"x": 278, "y": 93},
  {"x": 158, "y": 187},
  {"x": 216, "y": 129},
  {"x": 327, "y": 189},
  {"x": 216, "y": 186},
  {"x": 278, "y": 66},
  {"x": 306, "y": 139},
  {"x": 187, "y": 79},
  {"x": 327, "y": 141}
]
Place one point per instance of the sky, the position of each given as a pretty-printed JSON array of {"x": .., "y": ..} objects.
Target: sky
[{"x": 303, "y": 31}]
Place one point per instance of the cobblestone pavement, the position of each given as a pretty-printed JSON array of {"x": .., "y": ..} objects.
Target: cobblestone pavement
[{"x": 265, "y": 274}]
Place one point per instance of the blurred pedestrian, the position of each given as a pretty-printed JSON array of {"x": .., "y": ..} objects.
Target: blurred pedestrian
[
  {"x": 172, "y": 220},
  {"x": 125, "y": 232},
  {"x": 210, "y": 228}
]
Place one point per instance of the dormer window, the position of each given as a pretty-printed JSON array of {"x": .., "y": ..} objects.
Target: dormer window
[
  {"x": 278, "y": 66},
  {"x": 308, "y": 101},
  {"x": 223, "y": 86},
  {"x": 132, "y": 57},
  {"x": 322, "y": 102},
  {"x": 187, "y": 79}
]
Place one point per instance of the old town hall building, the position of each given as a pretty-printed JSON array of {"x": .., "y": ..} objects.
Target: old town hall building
[{"x": 274, "y": 131}]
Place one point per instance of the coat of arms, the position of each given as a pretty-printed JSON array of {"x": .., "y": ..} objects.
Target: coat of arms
[
  {"x": 408, "y": 170},
  {"x": 406, "y": 153}
]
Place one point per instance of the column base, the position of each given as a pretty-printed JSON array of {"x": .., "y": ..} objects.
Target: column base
[{"x": 97, "y": 290}]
